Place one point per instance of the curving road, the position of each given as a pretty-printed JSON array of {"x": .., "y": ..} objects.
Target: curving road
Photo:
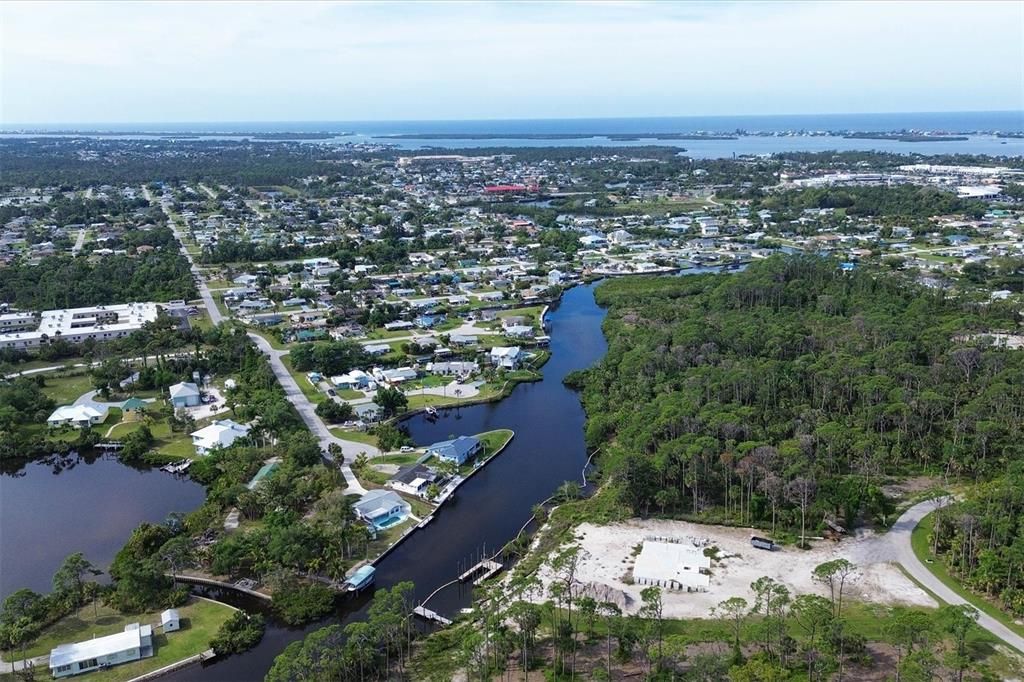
[
  {"x": 898, "y": 541},
  {"x": 294, "y": 394},
  {"x": 307, "y": 410}
]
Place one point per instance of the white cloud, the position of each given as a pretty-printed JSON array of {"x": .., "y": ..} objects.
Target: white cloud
[{"x": 114, "y": 61}]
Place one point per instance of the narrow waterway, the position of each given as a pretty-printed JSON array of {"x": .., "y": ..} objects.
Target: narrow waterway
[
  {"x": 491, "y": 507},
  {"x": 52, "y": 508}
]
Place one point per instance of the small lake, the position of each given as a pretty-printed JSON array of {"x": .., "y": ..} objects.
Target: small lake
[{"x": 52, "y": 508}]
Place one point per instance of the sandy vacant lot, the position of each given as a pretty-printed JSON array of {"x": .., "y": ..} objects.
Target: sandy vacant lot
[{"x": 607, "y": 559}]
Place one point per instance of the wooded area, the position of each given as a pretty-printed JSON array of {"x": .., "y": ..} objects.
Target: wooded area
[{"x": 783, "y": 395}]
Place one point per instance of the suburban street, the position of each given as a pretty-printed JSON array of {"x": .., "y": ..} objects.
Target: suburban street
[
  {"x": 296, "y": 397},
  {"x": 204, "y": 291},
  {"x": 898, "y": 540},
  {"x": 307, "y": 410}
]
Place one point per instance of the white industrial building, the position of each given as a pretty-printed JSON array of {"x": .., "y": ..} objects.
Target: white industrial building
[
  {"x": 672, "y": 565},
  {"x": 74, "y": 325},
  {"x": 136, "y": 642}
]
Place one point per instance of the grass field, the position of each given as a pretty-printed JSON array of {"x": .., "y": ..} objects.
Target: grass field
[
  {"x": 173, "y": 444},
  {"x": 309, "y": 390},
  {"x": 923, "y": 551},
  {"x": 201, "y": 619},
  {"x": 356, "y": 436},
  {"x": 67, "y": 388}
]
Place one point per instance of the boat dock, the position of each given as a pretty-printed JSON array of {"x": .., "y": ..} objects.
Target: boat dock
[
  {"x": 434, "y": 617},
  {"x": 489, "y": 568}
]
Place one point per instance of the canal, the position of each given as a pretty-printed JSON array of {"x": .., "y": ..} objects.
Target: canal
[{"x": 487, "y": 510}]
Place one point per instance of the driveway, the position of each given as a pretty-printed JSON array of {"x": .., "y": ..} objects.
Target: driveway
[
  {"x": 89, "y": 399},
  {"x": 897, "y": 545}
]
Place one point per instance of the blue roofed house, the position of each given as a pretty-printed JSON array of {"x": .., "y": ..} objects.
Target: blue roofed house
[
  {"x": 428, "y": 321},
  {"x": 184, "y": 394},
  {"x": 458, "y": 450},
  {"x": 382, "y": 508}
]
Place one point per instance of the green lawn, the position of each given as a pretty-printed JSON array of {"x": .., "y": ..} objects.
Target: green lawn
[
  {"x": 356, "y": 436},
  {"x": 39, "y": 363},
  {"x": 919, "y": 540},
  {"x": 385, "y": 334},
  {"x": 309, "y": 390},
  {"x": 171, "y": 444},
  {"x": 67, "y": 388},
  {"x": 495, "y": 440},
  {"x": 201, "y": 619},
  {"x": 349, "y": 394},
  {"x": 429, "y": 381},
  {"x": 401, "y": 460}
]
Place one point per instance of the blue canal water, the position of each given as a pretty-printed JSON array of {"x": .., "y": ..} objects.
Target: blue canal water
[{"x": 490, "y": 508}]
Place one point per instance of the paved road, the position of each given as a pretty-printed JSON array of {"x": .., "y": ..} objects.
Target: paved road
[
  {"x": 307, "y": 410},
  {"x": 204, "y": 291},
  {"x": 296, "y": 397},
  {"x": 79, "y": 242},
  {"x": 898, "y": 539}
]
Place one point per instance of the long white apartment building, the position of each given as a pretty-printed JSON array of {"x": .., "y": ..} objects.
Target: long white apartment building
[{"x": 74, "y": 325}]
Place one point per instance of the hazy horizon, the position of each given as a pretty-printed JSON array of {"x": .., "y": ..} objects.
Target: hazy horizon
[
  {"x": 74, "y": 125},
  {"x": 100, "y": 62}
]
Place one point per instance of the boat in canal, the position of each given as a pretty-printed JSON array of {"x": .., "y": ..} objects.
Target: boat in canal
[{"x": 360, "y": 580}]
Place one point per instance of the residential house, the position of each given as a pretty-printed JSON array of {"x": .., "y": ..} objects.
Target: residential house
[
  {"x": 78, "y": 416},
  {"x": 452, "y": 368},
  {"x": 377, "y": 349},
  {"x": 135, "y": 643},
  {"x": 413, "y": 480},
  {"x": 220, "y": 434},
  {"x": 506, "y": 357},
  {"x": 457, "y": 450},
  {"x": 356, "y": 379},
  {"x": 184, "y": 394},
  {"x": 382, "y": 508},
  {"x": 395, "y": 376}
]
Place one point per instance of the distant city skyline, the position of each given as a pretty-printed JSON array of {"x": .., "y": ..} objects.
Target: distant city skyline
[{"x": 266, "y": 62}]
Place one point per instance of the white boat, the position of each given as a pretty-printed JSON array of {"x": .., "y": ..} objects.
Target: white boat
[
  {"x": 360, "y": 580},
  {"x": 431, "y": 410}
]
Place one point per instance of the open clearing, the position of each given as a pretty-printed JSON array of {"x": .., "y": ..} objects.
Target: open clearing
[{"x": 607, "y": 557}]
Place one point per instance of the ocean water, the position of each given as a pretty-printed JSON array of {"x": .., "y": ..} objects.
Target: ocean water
[
  {"x": 971, "y": 121},
  {"x": 979, "y": 127}
]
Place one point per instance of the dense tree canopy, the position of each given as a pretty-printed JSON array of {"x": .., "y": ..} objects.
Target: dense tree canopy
[{"x": 788, "y": 390}]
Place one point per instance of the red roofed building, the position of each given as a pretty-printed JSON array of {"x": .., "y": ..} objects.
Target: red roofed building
[{"x": 509, "y": 189}]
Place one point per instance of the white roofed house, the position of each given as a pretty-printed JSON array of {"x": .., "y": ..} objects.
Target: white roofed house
[
  {"x": 78, "y": 416},
  {"x": 382, "y": 508},
  {"x": 220, "y": 434},
  {"x": 453, "y": 368},
  {"x": 136, "y": 642},
  {"x": 184, "y": 394},
  {"x": 506, "y": 357}
]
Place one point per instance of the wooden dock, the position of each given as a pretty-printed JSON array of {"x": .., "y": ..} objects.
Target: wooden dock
[
  {"x": 488, "y": 567},
  {"x": 427, "y": 614}
]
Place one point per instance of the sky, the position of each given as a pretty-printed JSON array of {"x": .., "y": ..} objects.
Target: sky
[{"x": 93, "y": 62}]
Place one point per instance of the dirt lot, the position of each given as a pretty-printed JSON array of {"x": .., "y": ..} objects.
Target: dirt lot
[{"x": 607, "y": 555}]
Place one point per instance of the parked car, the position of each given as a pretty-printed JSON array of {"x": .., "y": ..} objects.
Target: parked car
[
  {"x": 331, "y": 391},
  {"x": 406, "y": 448}
]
